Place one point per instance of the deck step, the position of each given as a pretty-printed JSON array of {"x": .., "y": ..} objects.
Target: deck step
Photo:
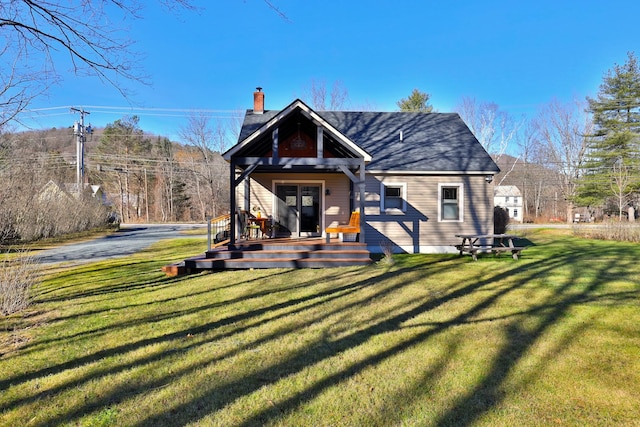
[
  {"x": 276, "y": 253},
  {"x": 265, "y": 245},
  {"x": 246, "y": 263},
  {"x": 289, "y": 253},
  {"x": 173, "y": 270}
]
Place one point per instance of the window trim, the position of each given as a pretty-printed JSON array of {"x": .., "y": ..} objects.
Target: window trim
[
  {"x": 460, "y": 187},
  {"x": 403, "y": 197}
]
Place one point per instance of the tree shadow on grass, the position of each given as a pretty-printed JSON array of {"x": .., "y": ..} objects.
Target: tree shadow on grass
[
  {"x": 486, "y": 395},
  {"x": 318, "y": 353},
  {"x": 524, "y": 328},
  {"x": 183, "y": 339},
  {"x": 162, "y": 316}
]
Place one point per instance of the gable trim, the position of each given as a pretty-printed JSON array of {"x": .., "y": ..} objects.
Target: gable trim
[{"x": 311, "y": 115}]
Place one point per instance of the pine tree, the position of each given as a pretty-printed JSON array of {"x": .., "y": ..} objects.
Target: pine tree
[
  {"x": 615, "y": 143},
  {"x": 417, "y": 102},
  {"x": 123, "y": 153}
]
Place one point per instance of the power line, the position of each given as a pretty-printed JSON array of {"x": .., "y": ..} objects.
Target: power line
[{"x": 141, "y": 111}]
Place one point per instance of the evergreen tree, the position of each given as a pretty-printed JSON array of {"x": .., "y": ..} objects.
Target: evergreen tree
[
  {"x": 615, "y": 144},
  {"x": 124, "y": 152},
  {"x": 417, "y": 102}
]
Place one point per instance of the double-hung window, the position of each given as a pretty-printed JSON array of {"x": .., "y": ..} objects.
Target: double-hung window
[
  {"x": 393, "y": 197},
  {"x": 450, "y": 202}
]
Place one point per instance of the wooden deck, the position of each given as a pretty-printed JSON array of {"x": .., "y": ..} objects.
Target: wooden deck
[{"x": 276, "y": 253}]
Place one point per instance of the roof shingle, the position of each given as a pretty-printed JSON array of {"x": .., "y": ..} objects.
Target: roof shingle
[{"x": 431, "y": 142}]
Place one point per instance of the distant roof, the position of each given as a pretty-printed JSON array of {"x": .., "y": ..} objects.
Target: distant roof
[
  {"x": 430, "y": 142},
  {"x": 506, "y": 190}
]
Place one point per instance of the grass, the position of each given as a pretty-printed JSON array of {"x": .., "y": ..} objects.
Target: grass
[{"x": 553, "y": 338}]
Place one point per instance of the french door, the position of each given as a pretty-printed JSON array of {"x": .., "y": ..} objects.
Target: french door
[{"x": 298, "y": 209}]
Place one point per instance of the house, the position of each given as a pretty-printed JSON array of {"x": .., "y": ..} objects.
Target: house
[
  {"x": 52, "y": 192},
  {"x": 509, "y": 198},
  {"x": 417, "y": 179},
  {"x": 95, "y": 191}
]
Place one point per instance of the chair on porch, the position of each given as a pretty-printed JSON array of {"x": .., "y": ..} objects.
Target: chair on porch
[
  {"x": 350, "y": 229},
  {"x": 248, "y": 228},
  {"x": 243, "y": 223}
]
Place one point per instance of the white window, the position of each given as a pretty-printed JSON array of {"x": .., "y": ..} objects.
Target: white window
[
  {"x": 515, "y": 213},
  {"x": 393, "y": 197},
  {"x": 506, "y": 199},
  {"x": 450, "y": 202},
  {"x": 515, "y": 200}
]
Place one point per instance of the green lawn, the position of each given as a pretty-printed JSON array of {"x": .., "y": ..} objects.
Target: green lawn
[{"x": 551, "y": 339}]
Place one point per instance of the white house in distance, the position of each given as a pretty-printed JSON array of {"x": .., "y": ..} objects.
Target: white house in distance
[{"x": 509, "y": 197}]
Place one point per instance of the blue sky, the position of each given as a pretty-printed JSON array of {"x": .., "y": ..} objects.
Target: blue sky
[{"x": 519, "y": 55}]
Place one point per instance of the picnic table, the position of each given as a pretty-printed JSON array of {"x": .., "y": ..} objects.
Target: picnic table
[{"x": 495, "y": 243}]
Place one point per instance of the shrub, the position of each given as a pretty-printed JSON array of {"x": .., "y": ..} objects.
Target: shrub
[
  {"x": 387, "y": 250},
  {"x": 610, "y": 230},
  {"x": 17, "y": 277},
  {"x": 38, "y": 217},
  {"x": 500, "y": 220}
]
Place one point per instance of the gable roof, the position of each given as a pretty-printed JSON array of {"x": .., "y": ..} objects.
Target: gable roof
[
  {"x": 258, "y": 124},
  {"x": 506, "y": 190},
  {"x": 430, "y": 142}
]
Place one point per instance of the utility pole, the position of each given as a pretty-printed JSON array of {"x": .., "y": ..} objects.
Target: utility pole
[{"x": 79, "y": 132}]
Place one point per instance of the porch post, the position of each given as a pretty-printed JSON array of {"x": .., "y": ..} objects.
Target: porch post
[
  {"x": 361, "y": 187},
  {"x": 232, "y": 202},
  {"x": 320, "y": 142},
  {"x": 247, "y": 195},
  {"x": 274, "y": 144}
]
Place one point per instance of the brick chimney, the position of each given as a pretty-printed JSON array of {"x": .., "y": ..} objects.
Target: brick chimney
[{"x": 258, "y": 101}]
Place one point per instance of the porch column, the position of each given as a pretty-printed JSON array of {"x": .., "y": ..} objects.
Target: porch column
[
  {"x": 361, "y": 188},
  {"x": 232, "y": 202},
  {"x": 320, "y": 142},
  {"x": 274, "y": 145},
  {"x": 247, "y": 195}
]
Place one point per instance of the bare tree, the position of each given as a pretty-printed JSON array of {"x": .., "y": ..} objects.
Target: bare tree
[
  {"x": 621, "y": 185},
  {"x": 17, "y": 88},
  {"x": 527, "y": 143},
  {"x": 322, "y": 99},
  {"x": 90, "y": 33},
  {"x": 562, "y": 129},
  {"x": 208, "y": 169},
  {"x": 495, "y": 129}
]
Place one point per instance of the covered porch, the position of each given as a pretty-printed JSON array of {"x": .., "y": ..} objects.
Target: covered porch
[
  {"x": 294, "y": 176},
  {"x": 249, "y": 253}
]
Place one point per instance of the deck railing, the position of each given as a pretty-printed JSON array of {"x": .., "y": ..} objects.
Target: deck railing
[{"x": 218, "y": 231}]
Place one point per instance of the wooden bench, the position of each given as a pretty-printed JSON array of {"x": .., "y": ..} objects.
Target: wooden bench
[{"x": 352, "y": 227}]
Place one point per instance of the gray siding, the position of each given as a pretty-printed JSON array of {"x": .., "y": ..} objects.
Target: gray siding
[{"x": 418, "y": 229}]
